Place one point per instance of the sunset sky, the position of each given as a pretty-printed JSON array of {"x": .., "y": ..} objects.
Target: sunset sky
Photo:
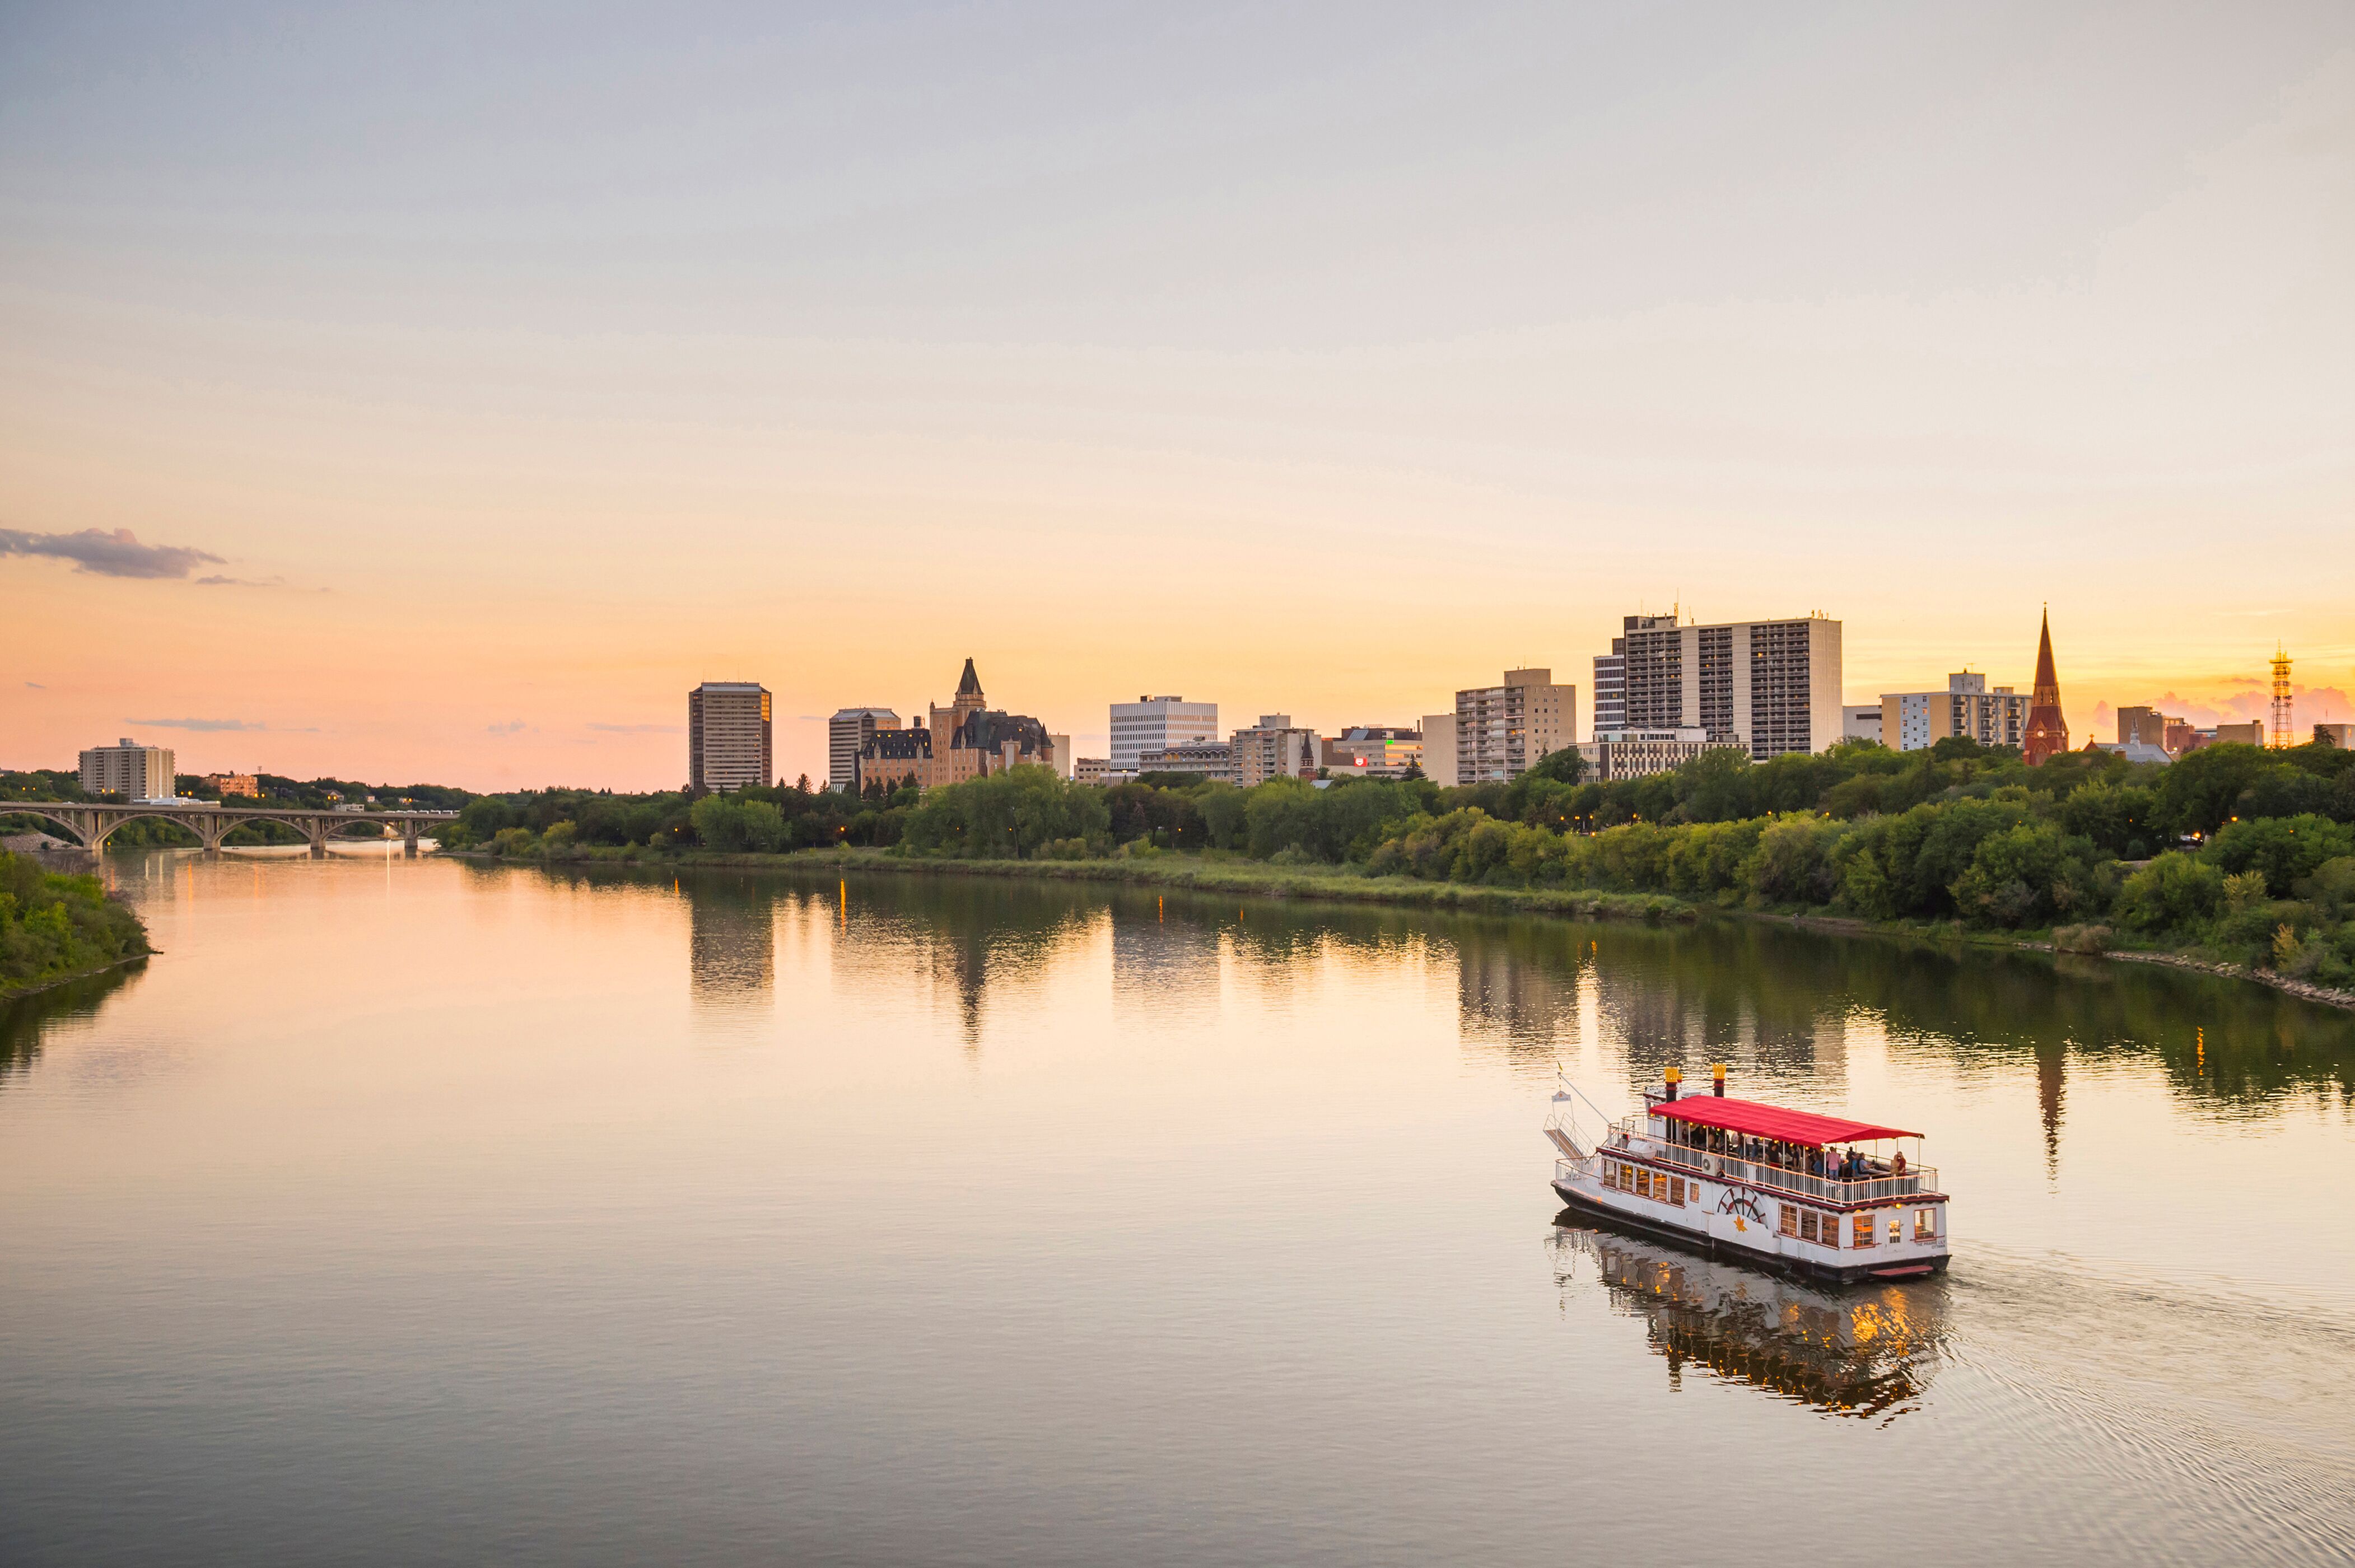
[{"x": 473, "y": 381}]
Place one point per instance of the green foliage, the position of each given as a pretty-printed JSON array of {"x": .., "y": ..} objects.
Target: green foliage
[
  {"x": 2285, "y": 848},
  {"x": 734, "y": 824},
  {"x": 52, "y": 925},
  {"x": 1015, "y": 814},
  {"x": 2176, "y": 892}
]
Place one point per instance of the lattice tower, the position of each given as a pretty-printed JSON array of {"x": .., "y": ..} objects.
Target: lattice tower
[{"x": 2282, "y": 722}]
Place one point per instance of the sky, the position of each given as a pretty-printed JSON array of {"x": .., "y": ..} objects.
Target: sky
[{"x": 438, "y": 393}]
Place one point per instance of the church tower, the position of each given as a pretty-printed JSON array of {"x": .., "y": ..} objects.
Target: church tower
[{"x": 2047, "y": 732}]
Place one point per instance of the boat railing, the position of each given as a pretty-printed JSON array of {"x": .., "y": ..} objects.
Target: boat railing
[{"x": 1916, "y": 1179}]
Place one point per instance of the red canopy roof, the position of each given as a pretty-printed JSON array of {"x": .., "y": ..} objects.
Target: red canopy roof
[{"x": 1757, "y": 1120}]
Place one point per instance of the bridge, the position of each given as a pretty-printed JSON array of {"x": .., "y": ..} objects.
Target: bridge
[{"x": 92, "y": 825}]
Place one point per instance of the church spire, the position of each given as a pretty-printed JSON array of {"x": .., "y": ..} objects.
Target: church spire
[
  {"x": 968, "y": 691},
  {"x": 2047, "y": 730}
]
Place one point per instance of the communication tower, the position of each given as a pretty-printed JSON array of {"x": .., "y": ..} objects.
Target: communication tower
[{"x": 2283, "y": 723}]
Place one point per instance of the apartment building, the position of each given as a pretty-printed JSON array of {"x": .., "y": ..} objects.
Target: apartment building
[
  {"x": 1276, "y": 748},
  {"x": 1771, "y": 686},
  {"x": 130, "y": 770},
  {"x": 1090, "y": 770},
  {"x": 1610, "y": 694},
  {"x": 1501, "y": 729},
  {"x": 730, "y": 739},
  {"x": 228, "y": 784},
  {"x": 1632, "y": 753},
  {"x": 846, "y": 733},
  {"x": 1156, "y": 724},
  {"x": 1860, "y": 722},
  {"x": 1914, "y": 721},
  {"x": 2339, "y": 735}
]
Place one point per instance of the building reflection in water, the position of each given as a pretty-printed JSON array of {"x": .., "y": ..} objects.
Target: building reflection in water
[
  {"x": 963, "y": 938},
  {"x": 1164, "y": 961},
  {"x": 732, "y": 940},
  {"x": 1861, "y": 1352}
]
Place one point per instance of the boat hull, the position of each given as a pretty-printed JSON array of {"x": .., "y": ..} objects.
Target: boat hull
[{"x": 1891, "y": 1271}]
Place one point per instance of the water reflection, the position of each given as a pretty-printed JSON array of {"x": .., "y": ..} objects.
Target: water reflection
[
  {"x": 731, "y": 939},
  {"x": 27, "y": 1023},
  {"x": 1861, "y": 1352}
]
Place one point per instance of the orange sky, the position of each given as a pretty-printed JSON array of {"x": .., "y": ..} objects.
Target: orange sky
[{"x": 515, "y": 387}]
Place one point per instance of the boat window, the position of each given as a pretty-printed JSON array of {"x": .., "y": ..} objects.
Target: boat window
[
  {"x": 1807, "y": 1218},
  {"x": 1863, "y": 1230},
  {"x": 1896, "y": 1227},
  {"x": 1643, "y": 1184},
  {"x": 1790, "y": 1218},
  {"x": 1677, "y": 1190},
  {"x": 1925, "y": 1224}
]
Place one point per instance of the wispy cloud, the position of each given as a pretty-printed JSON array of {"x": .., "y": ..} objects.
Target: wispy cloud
[
  {"x": 640, "y": 728},
  {"x": 36, "y": 686},
  {"x": 118, "y": 554},
  {"x": 219, "y": 581},
  {"x": 512, "y": 727},
  {"x": 251, "y": 726}
]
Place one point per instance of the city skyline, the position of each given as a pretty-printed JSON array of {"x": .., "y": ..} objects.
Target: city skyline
[{"x": 440, "y": 402}]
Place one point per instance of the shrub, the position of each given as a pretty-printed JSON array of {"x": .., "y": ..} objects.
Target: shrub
[
  {"x": 2087, "y": 939},
  {"x": 2176, "y": 893}
]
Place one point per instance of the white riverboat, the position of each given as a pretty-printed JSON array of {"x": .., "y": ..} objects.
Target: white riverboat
[{"x": 1821, "y": 1197}]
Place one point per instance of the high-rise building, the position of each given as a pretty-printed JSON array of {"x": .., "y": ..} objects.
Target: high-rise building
[
  {"x": 850, "y": 729},
  {"x": 1914, "y": 721},
  {"x": 730, "y": 743},
  {"x": 2047, "y": 733},
  {"x": 1771, "y": 686},
  {"x": 1501, "y": 729},
  {"x": 1611, "y": 674},
  {"x": 1156, "y": 724},
  {"x": 133, "y": 772},
  {"x": 1276, "y": 748},
  {"x": 1063, "y": 757}
]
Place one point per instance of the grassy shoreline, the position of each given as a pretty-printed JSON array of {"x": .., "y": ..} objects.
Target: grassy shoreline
[{"x": 1251, "y": 879}]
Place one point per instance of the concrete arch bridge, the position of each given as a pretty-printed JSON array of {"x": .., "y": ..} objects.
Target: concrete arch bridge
[{"x": 93, "y": 825}]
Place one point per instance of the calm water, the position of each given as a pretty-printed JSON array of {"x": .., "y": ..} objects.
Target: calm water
[{"x": 406, "y": 1212}]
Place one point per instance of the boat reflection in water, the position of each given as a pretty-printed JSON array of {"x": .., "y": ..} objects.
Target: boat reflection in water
[{"x": 1860, "y": 1351}]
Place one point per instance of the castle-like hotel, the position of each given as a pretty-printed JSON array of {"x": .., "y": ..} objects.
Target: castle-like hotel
[{"x": 967, "y": 739}]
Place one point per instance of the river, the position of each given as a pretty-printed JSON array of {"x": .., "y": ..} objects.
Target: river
[{"x": 409, "y": 1211}]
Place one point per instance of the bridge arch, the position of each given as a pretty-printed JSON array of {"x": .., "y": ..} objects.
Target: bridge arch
[{"x": 33, "y": 808}]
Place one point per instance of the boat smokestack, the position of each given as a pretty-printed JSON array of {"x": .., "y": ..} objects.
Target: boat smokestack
[
  {"x": 1718, "y": 1074},
  {"x": 1675, "y": 1076}
]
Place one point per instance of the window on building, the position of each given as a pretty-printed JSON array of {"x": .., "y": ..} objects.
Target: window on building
[
  {"x": 1925, "y": 1224},
  {"x": 1790, "y": 1219},
  {"x": 1863, "y": 1230}
]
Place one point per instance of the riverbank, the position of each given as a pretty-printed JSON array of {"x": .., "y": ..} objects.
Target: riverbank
[
  {"x": 58, "y": 926},
  {"x": 1239, "y": 876}
]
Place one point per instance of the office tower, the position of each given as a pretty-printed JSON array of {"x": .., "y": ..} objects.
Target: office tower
[
  {"x": 1911, "y": 721},
  {"x": 1156, "y": 724},
  {"x": 133, "y": 772},
  {"x": 1770, "y": 686},
  {"x": 846, "y": 733},
  {"x": 729, "y": 736}
]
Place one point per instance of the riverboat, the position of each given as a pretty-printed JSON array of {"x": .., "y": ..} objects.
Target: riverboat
[{"x": 1823, "y": 1198}]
